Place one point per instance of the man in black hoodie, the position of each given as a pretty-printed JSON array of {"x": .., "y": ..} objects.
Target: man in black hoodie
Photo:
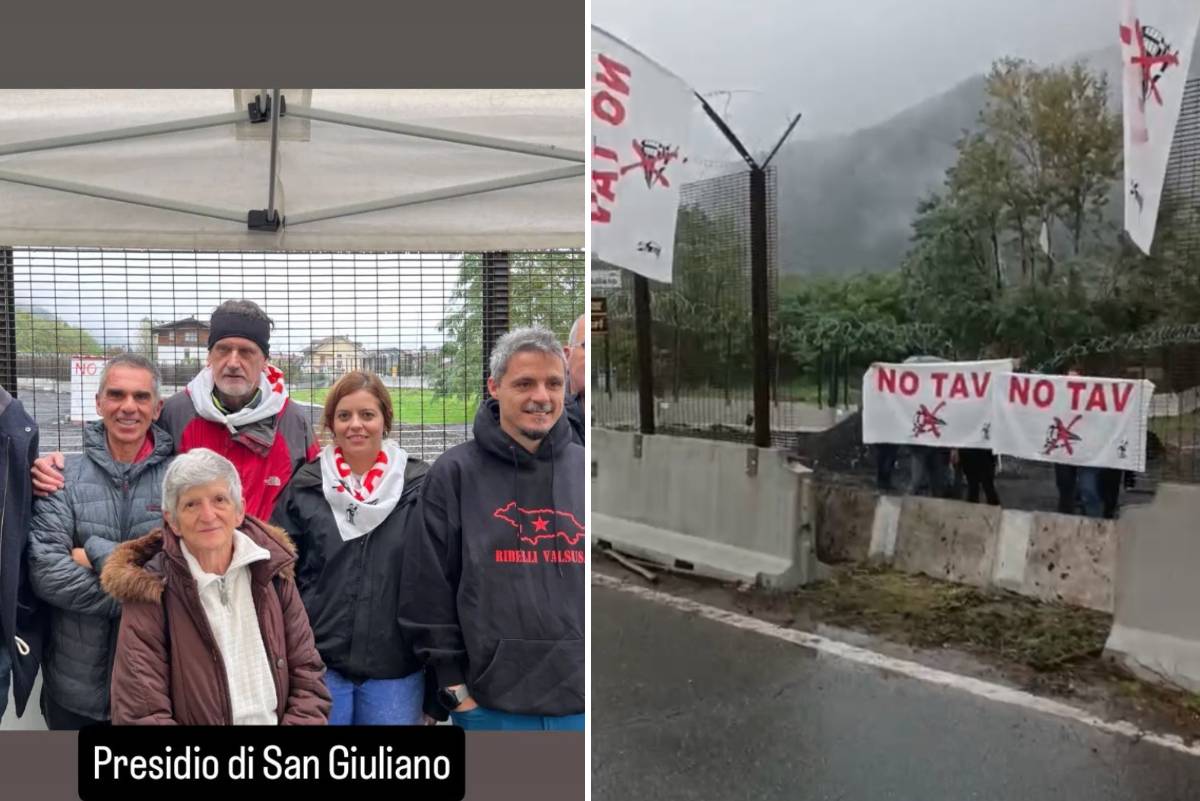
[{"x": 494, "y": 557}]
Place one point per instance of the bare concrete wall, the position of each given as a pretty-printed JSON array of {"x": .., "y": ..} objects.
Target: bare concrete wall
[
  {"x": 949, "y": 540},
  {"x": 717, "y": 493},
  {"x": 843, "y": 518},
  {"x": 1156, "y": 630},
  {"x": 1072, "y": 560}
]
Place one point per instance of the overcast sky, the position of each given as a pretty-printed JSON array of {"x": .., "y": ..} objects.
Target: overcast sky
[
  {"x": 379, "y": 300},
  {"x": 846, "y": 65}
]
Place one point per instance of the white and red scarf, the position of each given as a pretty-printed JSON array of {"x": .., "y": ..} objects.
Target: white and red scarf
[
  {"x": 272, "y": 396},
  {"x": 360, "y": 503}
]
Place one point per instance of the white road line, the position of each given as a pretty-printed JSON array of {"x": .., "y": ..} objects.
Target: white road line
[{"x": 913, "y": 670}]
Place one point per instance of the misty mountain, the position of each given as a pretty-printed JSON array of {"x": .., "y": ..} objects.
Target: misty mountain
[{"x": 846, "y": 203}]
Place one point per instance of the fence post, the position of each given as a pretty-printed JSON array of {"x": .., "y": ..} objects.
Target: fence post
[
  {"x": 8, "y": 322},
  {"x": 760, "y": 312},
  {"x": 645, "y": 352},
  {"x": 495, "y": 306}
]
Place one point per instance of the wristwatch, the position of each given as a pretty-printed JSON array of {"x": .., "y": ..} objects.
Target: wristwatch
[{"x": 452, "y": 698}]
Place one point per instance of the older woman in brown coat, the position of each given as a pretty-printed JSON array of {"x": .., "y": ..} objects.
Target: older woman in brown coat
[{"x": 213, "y": 631}]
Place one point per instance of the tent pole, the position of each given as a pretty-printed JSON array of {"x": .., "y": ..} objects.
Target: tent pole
[
  {"x": 124, "y": 197},
  {"x": 274, "y": 153},
  {"x": 439, "y": 134},
  {"x": 117, "y": 134},
  {"x": 462, "y": 190}
]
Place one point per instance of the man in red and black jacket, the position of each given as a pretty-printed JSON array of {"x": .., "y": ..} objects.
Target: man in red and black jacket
[{"x": 237, "y": 406}]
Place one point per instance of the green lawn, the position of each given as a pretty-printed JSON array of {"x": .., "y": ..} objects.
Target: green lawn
[
  {"x": 1182, "y": 430},
  {"x": 413, "y": 406}
]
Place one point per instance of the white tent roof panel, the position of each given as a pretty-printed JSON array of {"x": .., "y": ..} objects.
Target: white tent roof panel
[{"x": 322, "y": 165}]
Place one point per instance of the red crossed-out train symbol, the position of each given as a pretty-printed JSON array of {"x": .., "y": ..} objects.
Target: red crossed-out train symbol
[
  {"x": 928, "y": 422},
  {"x": 1060, "y": 435},
  {"x": 1154, "y": 56},
  {"x": 535, "y": 525},
  {"x": 652, "y": 159}
]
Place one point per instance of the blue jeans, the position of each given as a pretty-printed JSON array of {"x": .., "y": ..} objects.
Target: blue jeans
[
  {"x": 1089, "y": 491},
  {"x": 376, "y": 702},
  {"x": 480, "y": 719}
]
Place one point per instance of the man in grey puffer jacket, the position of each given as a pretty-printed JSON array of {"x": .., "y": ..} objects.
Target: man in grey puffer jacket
[{"x": 113, "y": 494}]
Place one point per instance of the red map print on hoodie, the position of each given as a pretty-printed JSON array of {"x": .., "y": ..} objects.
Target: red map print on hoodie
[{"x": 535, "y": 525}]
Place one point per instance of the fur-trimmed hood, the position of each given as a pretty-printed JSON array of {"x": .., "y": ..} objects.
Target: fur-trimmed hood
[{"x": 137, "y": 570}]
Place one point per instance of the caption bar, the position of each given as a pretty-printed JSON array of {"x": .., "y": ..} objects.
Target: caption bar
[{"x": 370, "y": 761}]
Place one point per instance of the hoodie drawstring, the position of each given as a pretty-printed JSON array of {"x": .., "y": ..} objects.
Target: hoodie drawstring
[
  {"x": 512, "y": 451},
  {"x": 554, "y": 505}
]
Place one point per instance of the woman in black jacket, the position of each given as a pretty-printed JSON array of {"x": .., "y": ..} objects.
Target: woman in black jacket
[{"x": 346, "y": 512}]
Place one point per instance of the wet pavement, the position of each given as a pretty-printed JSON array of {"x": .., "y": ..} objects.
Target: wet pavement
[{"x": 689, "y": 708}]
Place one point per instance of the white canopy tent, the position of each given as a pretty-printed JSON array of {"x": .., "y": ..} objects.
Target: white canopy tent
[{"x": 364, "y": 170}]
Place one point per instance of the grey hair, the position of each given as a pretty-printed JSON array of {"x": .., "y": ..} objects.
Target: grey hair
[
  {"x": 246, "y": 308},
  {"x": 520, "y": 340},
  {"x": 573, "y": 339},
  {"x": 131, "y": 360},
  {"x": 199, "y": 466}
]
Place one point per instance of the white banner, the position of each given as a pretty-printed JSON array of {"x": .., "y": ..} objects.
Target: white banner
[
  {"x": 1091, "y": 422},
  {"x": 1156, "y": 48},
  {"x": 640, "y": 119},
  {"x": 85, "y": 383},
  {"x": 945, "y": 404}
]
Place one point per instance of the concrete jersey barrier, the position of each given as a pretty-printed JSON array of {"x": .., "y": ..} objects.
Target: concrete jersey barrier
[{"x": 720, "y": 509}]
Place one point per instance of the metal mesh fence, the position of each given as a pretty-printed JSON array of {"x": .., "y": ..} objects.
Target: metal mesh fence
[
  {"x": 1181, "y": 185},
  {"x": 701, "y": 329},
  {"x": 423, "y": 322}
]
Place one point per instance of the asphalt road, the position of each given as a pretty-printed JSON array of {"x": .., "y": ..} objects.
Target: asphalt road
[{"x": 690, "y": 708}]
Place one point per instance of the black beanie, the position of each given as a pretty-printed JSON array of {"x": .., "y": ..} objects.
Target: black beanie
[{"x": 231, "y": 324}]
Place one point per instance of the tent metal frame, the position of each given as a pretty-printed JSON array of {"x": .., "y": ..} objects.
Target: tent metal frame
[{"x": 576, "y": 169}]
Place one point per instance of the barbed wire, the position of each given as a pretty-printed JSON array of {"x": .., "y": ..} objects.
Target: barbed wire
[{"x": 1155, "y": 337}]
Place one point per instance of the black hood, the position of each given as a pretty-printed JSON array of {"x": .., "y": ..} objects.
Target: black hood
[{"x": 495, "y": 441}]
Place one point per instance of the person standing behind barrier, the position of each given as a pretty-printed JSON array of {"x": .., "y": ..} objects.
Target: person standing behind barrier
[
  {"x": 347, "y": 513},
  {"x": 930, "y": 465},
  {"x": 237, "y": 406},
  {"x": 1066, "y": 478},
  {"x": 493, "y": 592},
  {"x": 577, "y": 379},
  {"x": 213, "y": 631},
  {"x": 21, "y": 615},
  {"x": 979, "y": 468},
  {"x": 113, "y": 494},
  {"x": 885, "y": 464}
]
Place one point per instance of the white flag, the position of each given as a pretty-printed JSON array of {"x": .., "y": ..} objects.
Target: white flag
[
  {"x": 1156, "y": 48},
  {"x": 640, "y": 119}
]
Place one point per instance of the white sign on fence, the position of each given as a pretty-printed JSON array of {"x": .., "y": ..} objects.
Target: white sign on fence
[
  {"x": 606, "y": 279},
  {"x": 943, "y": 404},
  {"x": 1068, "y": 419},
  {"x": 85, "y": 383}
]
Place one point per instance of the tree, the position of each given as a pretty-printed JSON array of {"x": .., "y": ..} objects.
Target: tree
[
  {"x": 42, "y": 334},
  {"x": 1047, "y": 152},
  {"x": 545, "y": 289},
  {"x": 147, "y": 344},
  {"x": 711, "y": 293},
  {"x": 1061, "y": 146}
]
